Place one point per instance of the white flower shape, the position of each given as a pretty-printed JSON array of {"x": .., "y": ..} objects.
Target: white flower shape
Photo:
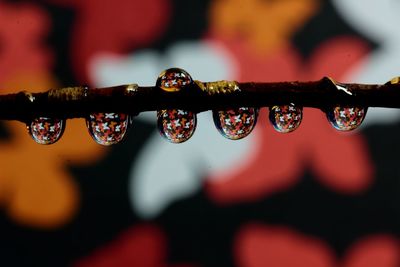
[{"x": 165, "y": 172}]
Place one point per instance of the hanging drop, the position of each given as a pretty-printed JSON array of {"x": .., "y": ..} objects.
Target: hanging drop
[
  {"x": 46, "y": 131},
  {"x": 285, "y": 118},
  {"x": 176, "y": 125},
  {"x": 346, "y": 118},
  {"x": 107, "y": 128},
  {"x": 235, "y": 124}
]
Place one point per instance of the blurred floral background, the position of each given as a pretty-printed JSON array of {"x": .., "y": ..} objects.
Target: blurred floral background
[{"x": 314, "y": 197}]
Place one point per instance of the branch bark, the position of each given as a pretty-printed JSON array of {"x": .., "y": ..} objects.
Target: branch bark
[{"x": 74, "y": 102}]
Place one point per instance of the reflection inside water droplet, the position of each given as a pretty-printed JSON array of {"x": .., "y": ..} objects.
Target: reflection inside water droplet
[
  {"x": 46, "y": 131},
  {"x": 346, "y": 118},
  {"x": 107, "y": 128},
  {"x": 285, "y": 118},
  {"x": 236, "y": 124},
  {"x": 173, "y": 79},
  {"x": 176, "y": 125}
]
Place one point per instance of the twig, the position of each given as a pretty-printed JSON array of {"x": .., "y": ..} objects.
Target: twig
[{"x": 74, "y": 102}]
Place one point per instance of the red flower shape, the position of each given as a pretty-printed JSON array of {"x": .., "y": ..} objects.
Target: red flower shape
[
  {"x": 22, "y": 27},
  {"x": 139, "y": 246},
  {"x": 340, "y": 161},
  {"x": 381, "y": 250},
  {"x": 258, "y": 245},
  {"x": 113, "y": 27}
]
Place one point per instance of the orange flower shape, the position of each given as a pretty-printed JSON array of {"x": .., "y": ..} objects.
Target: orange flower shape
[
  {"x": 36, "y": 188},
  {"x": 263, "y": 26}
]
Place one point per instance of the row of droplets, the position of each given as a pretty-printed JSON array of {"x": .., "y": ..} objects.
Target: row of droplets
[{"x": 177, "y": 125}]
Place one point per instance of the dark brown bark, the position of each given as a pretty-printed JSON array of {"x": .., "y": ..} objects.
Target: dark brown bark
[{"x": 76, "y": 102}]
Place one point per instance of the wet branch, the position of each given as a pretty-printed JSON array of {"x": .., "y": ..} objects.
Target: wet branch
[{"x": 74, "y": 102}]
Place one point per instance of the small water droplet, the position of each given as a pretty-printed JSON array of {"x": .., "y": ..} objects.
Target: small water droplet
[
  {"x": 346, "y": 118},
  {"x": 176, "y": 125},
  {"x": 46, "y": 131},
  {"x": 107, "y": 128},
  {"x": 286, "y": 118},
  {"x": 235, "y": 124},
  {"x": 173, "y": 80}
]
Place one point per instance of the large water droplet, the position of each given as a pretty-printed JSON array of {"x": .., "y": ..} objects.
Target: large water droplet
[
  {"x": 286, "y": 118},
  {"x": 176, "y": 125},
  {"x": 108, "y": 128},
  {"x": 346, "y": 118},
  {"x": 45, "y": 130},
  {"x": 235, "y": 124},
  {"x": 173, "y": 80}
]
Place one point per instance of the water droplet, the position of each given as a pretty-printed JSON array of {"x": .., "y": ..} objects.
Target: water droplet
[
  {"x": 108, "y": 128},
  {"x": 46, "y": 131},
  {"x": 176, "y": 125},
  {"x": 286, "y": 118},
  {"x": 235, "y": 124},
  {"x": 173, "y": 80},
  {"x": 346, "y": 118}
]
